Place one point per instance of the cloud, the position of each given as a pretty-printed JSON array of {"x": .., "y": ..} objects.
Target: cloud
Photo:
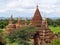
[{"x": 29, "y": 6}]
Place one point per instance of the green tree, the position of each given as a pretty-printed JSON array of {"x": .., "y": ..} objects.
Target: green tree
[
  {"x": 50, "y": 21},
  {"x": 57, "y": 22},
  {"x": 21, "y": 35},
  {"x": 2, "y": 26},
  {"x": 54, "y": 25},
  {"x": 3, "y": 23}
]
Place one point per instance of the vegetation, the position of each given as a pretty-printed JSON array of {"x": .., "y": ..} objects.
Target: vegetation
[
  {"x": 55, "y": 29},
  {"x": 22, "y": 35},
  {"x": 56, "y": 42},
  {"x": 3, "y": 23},
  {"x": 54, "y": 22}
]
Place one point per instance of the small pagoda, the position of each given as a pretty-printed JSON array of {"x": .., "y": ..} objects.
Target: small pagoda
[
  {"x": 37, "y": 19},
  {"x": 11, "y": 25},
  {"x": 18, "y": 25}
]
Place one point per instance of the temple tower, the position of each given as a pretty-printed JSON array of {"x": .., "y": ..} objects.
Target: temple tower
[
  {"x": 26, "y": 21},
  {"x": 11, "y": 20},
  {"x": 18, "y": 23},
  {"x": 37, "y": 19},
  {"x": 44, "y": 34},
  {"x": 44, "y": 23},
  {"x": 11, "y": 25}
]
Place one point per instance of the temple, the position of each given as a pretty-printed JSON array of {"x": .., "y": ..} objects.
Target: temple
[
  {"x": 43, "y": 35},
  {"x": 11, "y": 25},
  {"x": 18, "y": 24}
]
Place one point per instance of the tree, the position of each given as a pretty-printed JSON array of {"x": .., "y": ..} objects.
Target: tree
[
  {"x": 3, "y": 23},
  {"x": 21, "y": 35},
  {"x": 54, "y": 25},
  {"x": 2, "y": 26},
  {"x": 50, "y": 21},
  {"x": 28, "y": 22},
  {"x": 57, "y": 22}
]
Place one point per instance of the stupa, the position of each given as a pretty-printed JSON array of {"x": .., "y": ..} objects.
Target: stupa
[
  {"x": 18, "y": 25},
  {"x": 11, "y": 25}
]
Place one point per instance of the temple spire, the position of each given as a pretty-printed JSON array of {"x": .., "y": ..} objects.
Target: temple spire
[
  {"x": 18, "y": 24},
  {"x": 44, "y": 17},
  {"x": 11, "y": 20},
  {"x": 19, "y": 20},
  {"x": 45, "y": 21},
  {"x": 37, "y": 19},
  {"x": 11, "y": 17}
]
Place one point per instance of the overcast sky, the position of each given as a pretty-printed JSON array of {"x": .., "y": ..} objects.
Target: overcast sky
[{"x": 26, "y": 8}]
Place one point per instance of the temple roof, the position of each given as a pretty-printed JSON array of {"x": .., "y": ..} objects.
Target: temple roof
[
  {"x": 11, "y": 20},
  {"x": 37, "y": 19},
  {"x": 37, "y": 13}
]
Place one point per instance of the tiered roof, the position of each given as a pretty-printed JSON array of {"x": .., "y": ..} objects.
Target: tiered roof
[
  {"x": 43, "y": 34},
  {"x": 37, "y": 19}
]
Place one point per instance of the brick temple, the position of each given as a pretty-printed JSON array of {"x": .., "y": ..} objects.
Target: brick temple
[
  {"x": 11, "y": 25},
  {"x": 43, "y": 35}
]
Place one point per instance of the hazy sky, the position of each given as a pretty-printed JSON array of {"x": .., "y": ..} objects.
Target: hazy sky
[{"x": 26, "y": 8}]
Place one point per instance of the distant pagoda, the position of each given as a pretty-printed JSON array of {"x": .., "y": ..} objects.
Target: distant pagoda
[
  {"x": 18, "y": 25},
  {"x": 37, "y": 19},
  {"x": 11, "y": 25}
]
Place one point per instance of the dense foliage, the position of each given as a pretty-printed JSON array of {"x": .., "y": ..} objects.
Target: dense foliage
[
  {"x": 21, "y": 35},
  {"x": 3, "y": 23},
  {"x": 54, "y": 22}
]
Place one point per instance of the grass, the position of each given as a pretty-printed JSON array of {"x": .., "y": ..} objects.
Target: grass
[
  {"x": 55, "y": 29},
  {"x": 15, "y": 43}
]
